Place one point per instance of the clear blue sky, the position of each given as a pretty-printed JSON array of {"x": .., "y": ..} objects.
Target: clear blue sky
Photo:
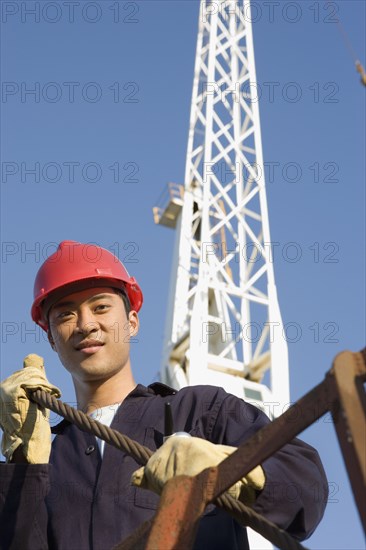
[{"x": 114, "y": 95}]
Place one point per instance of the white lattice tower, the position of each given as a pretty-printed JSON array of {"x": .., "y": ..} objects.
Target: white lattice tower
[{"x": 224, "y": 325}]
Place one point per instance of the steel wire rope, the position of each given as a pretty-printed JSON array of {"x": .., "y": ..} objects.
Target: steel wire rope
[
  {"x": 124, "y": 443},
  {"x": 141, "y": 454}
]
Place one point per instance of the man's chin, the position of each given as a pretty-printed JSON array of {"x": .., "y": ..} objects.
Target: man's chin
[{"x": 92, "y": 370}]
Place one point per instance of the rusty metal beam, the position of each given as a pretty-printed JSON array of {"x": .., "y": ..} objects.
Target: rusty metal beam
[
  {"x": 349, "y": 414},
  {"x": 181, "y": 505},
  {"x": 274, "y": 436},
  {"x": 184, "y": 499}
]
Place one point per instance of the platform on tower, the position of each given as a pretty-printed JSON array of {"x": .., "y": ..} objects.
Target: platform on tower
[{"x": 169, "y": 205}]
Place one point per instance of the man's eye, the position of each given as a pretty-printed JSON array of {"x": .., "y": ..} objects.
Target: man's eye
[
  {"x": 64, "y": 314},
  {"x": 102, "y": 307}
]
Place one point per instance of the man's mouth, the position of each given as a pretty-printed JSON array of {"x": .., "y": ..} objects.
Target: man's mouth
[{"x": 89, "y": 346}]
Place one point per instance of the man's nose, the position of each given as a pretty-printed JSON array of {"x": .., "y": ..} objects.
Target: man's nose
[{"x": 86, "y": 322}]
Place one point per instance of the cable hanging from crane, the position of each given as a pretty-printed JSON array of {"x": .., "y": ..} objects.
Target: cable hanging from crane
[{"x": 359, "y": 67}]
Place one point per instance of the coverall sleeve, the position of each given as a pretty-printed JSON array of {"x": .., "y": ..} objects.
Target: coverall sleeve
[
  {"x": 296, "y": 489},
  {"x": 23, "y": 514}
]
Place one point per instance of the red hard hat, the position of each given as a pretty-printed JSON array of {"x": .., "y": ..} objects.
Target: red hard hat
[{"x": 73, "y": 262}]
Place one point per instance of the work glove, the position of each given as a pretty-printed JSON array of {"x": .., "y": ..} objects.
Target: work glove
[
  {"x": 189, "y": 456},
  {"x": 24, "y": 422}
]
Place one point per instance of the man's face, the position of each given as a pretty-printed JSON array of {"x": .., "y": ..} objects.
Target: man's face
[{"x": 90, "y": 331}]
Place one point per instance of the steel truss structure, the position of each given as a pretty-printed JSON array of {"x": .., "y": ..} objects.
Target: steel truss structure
[{"x": 224, "y": 325}]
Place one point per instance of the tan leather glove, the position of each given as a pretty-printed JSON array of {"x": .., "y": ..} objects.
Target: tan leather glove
[
  {"x": 189, "y": 456},
  {"x": 24, "y": 422}
]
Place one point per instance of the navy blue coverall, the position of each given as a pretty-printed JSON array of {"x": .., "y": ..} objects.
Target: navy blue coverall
[{"x": 82, "y": 502}]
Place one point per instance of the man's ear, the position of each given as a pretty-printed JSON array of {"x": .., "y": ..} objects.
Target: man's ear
[{"x": 134, "y": 323}]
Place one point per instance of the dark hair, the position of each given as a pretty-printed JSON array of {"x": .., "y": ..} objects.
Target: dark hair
[{"x": 125, "y": 299}]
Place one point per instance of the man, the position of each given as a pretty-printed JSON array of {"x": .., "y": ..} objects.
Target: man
[{"x": 81, "y": 496}]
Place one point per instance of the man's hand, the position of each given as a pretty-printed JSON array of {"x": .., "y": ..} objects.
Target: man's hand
[
  {"x": 189, "y": 456},
  {"x": 25, "y": 424}
]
